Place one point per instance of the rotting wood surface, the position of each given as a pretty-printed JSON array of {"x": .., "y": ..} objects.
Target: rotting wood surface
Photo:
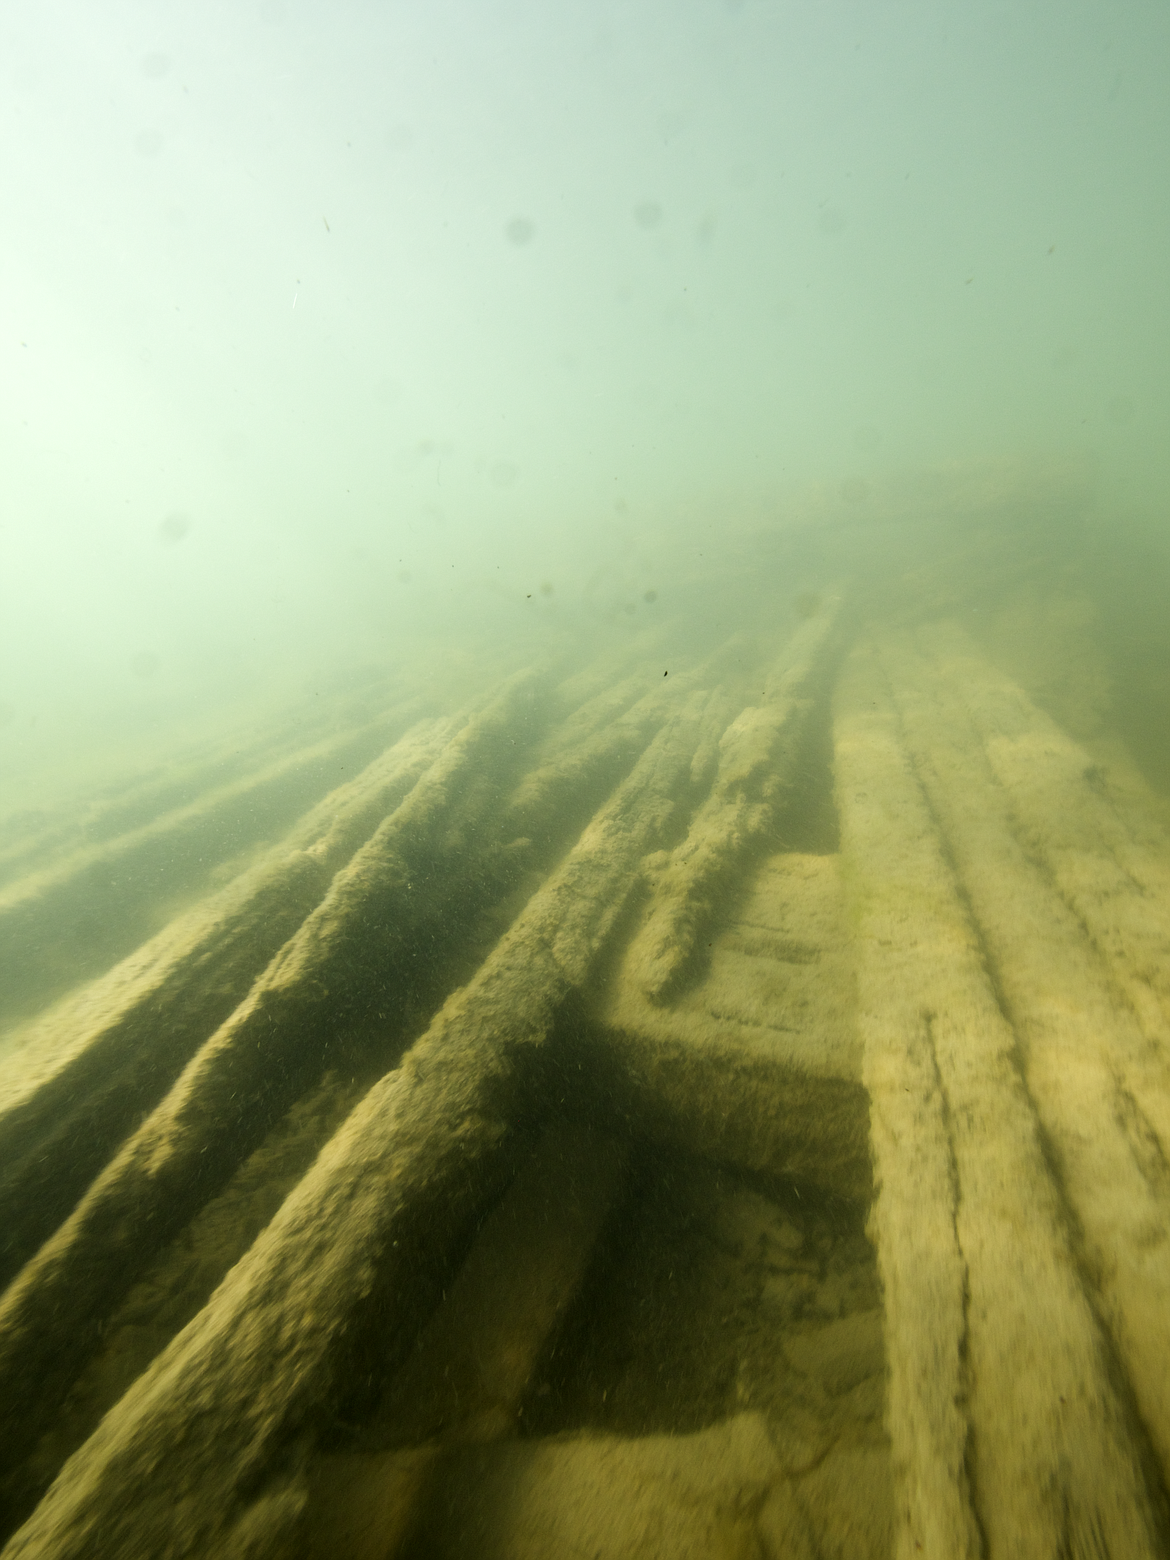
[
  {"x": 755, "y": 762},
  {"x": 42, "y": 912},
  {"x": 100, "y": 1060},
  {"x": 265, "y": 1348},
  {"x": 1024, "y": 1293},
  {"x": 1084, "y": 1061},
  {"x": 252, "y": 1067},
  {"x": 997, "y": 1362}
]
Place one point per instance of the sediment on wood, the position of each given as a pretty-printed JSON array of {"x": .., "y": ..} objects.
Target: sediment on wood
[
  {"x": 194, "y": 1460},
  {"x": 1075, "y": 1038},
  {"x": 465, "y": 1379},
  {"x": 912, "y": 1221},
  {"x": 985, "y": 1302},
  {"x": 756, "y": 760},
  {"x": 94, "y": 1064},
  {"x": 244, "y": 918},
  {"x": 757, "y": 1065},
  {"x": 606, "y": 734},
  {"x": 107, "y": 810},
  {"x": 1108, "y": 860},
  {"x": 271, "y": 1047},
  {"x": 603, "y": 736},
  {"x": 73, "y": 918}
]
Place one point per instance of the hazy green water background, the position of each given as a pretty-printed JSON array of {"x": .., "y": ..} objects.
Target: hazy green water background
[{"x": 334, "y": 333}]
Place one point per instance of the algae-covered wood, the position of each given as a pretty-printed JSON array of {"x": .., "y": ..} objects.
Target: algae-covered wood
[{"x": 715, "y": 1109}]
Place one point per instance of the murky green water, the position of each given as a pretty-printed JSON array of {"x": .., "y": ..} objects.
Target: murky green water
[{"x": 585, "y": 818}]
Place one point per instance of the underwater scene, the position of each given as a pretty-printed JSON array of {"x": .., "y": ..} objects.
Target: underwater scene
[{"x": 585, "y": 781}]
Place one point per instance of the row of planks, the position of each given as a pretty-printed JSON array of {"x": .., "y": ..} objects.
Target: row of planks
[{"x": 996, "y": 999}]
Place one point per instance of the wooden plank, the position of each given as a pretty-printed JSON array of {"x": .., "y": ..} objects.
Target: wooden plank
[{"x": 1003, "y": 1412}]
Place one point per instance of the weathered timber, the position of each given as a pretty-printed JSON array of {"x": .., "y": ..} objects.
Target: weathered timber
[
  {"x": 1074, "y": 1037},
  {"x": 98, "y": 901},
  {"x": 1109, "y": 860},
  {"x": 466, "y": 1377},
  {"x": 600, "y": 739},
  {"x": 759, "y": 1064},
  {"x": 270, "y": 1048},
  {"x": 998, "y": 1366},
  {"x": 108, "y": 808},
  {"x": 756, "y": 759},
  {"x": 195, "y": 1458},
  {"x": 96, "y": 1063}
]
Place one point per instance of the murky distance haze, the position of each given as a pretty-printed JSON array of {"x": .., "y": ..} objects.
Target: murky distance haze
[{"x": 336, "y": 333}]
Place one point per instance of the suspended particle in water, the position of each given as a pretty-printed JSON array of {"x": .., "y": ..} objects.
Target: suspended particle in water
[
  {"x": 831, "y": 221},
  {"x": 174, "y": 528}
]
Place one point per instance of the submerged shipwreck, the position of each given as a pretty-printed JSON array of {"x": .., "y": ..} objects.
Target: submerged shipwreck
[{"x": 723, "y": 1114}]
